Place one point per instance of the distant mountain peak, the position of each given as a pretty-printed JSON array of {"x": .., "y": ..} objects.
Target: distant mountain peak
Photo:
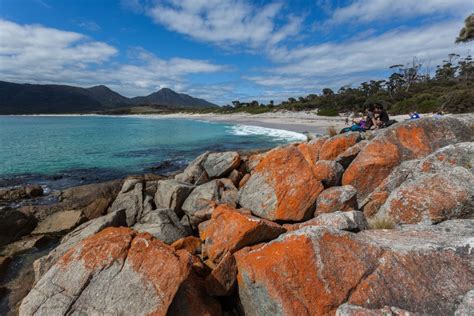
[{"x": 37, "y": 99}]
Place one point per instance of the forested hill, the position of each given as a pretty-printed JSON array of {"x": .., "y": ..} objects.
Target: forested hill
[{"x": 45, "y": 99}]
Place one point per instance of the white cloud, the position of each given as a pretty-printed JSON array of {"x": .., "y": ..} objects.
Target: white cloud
[
  {"x": 364, "y": 11},
  {"x": 308, "y": 69},
  {"x": 224, "y": 22},
  {"x": 37, "y": 54},
  {"x": 374, "y": 53}
]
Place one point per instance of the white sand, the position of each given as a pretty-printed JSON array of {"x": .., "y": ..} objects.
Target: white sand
[{"x": 292, "y": 121}]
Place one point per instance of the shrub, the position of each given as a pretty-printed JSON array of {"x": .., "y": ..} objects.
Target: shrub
[
  {"x": 328, "y": 112},
  {"x": 380, "y": 222}
]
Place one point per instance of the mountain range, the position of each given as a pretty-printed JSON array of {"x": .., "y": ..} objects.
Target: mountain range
[{"x": 49, "y": 99}]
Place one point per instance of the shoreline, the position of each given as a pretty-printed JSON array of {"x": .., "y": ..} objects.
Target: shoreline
[{"x": 302, "y": 122}]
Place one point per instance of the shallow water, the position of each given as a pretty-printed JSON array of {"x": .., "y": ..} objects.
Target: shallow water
[{"x": 69, "y": 150}]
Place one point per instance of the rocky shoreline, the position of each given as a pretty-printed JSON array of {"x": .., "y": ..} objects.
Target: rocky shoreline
[{"x": 377, "y": 223}]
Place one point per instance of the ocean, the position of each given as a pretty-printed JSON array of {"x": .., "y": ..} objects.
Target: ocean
[{"x": 63, "y": 151}]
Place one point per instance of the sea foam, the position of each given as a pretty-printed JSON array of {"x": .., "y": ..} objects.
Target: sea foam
[{"x": 246, "y": 130}]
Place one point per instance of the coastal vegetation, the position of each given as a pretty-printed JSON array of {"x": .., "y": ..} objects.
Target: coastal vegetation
[{"x": 410, "y": 87}]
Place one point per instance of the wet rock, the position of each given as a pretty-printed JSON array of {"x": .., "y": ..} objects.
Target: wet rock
[
  {"x": 129, "y": 199},
  {"x": 218, "y": 165},
  {"x": 18, "y": 193},
  {"x": 172, "y": 194},
  {"x": 328, "y": 172},
  {"x": 282, "y": 186},
  {"x": 406, "y": 141},
  {"x": 191, "y": 244},
  {"x": 336, "y": 145},
  {"x": 59, "y": 223},
  {"x": 116, "y": 271},
  {"x": 25, "y": 244},
  {"x": 194, "y": 172},
  {"x": 92, "y": 199},
  {"x": 314, "y": 270},
  {"x": 14, "y": 224},
  {"x": 337, "y": 199},
  {"x": 163, "y": 224},
  {"x": 230, "y": 230},
  {"x": 87, "y": 229},
  {"x": 220, "y": 191},
  {"x": 350, "y": 220}
]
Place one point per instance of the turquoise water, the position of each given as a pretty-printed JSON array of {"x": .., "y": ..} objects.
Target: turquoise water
[{"x": 94, "y": 148}]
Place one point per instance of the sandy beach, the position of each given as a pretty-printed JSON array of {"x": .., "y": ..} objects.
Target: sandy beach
[{"x": 300, "y": 122}]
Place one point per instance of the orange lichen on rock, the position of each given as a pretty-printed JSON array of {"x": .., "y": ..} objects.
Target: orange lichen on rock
[
  {"x": 414, "y": 139},
  {"x": 314, "y": 270},
  {"x": 337, "y": 199},
  {"x": 433, "y": 198},
  {"x": 302, "y": 276},
  {"x": 311, "y": 150},
  {"x": 230, "y": 230},
  {"x": 377, "y": 199},
  {"x": 282, "y": 187},
  {"x": 336, "y": 145},
  {"x": 161, "y": 265},
  {"x": 102, "y": 249},
  {"x": 371, "y": 166},
  {"x": 191, "y": 244}
]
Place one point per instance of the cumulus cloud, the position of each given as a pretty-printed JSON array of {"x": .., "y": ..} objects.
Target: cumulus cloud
[
  {"x": 373, "y": 53},
  {"x": 34, "y": 53},
  {"x": 364, "y": 11},
  {"x": 224, "y": 22}
]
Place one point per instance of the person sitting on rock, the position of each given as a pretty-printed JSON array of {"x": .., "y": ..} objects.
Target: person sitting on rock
[
  {"x": 382, "y": 118},
  {"x": 370, "y": 120}
]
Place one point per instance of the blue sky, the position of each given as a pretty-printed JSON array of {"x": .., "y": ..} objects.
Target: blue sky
[{"x": 223, "y": 50}]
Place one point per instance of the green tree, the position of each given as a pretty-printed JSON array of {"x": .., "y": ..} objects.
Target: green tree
[{"x": 467, "y": 32}]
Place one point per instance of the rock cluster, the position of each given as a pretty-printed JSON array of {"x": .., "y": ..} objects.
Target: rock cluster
[{"x": 343, "y": 225}]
